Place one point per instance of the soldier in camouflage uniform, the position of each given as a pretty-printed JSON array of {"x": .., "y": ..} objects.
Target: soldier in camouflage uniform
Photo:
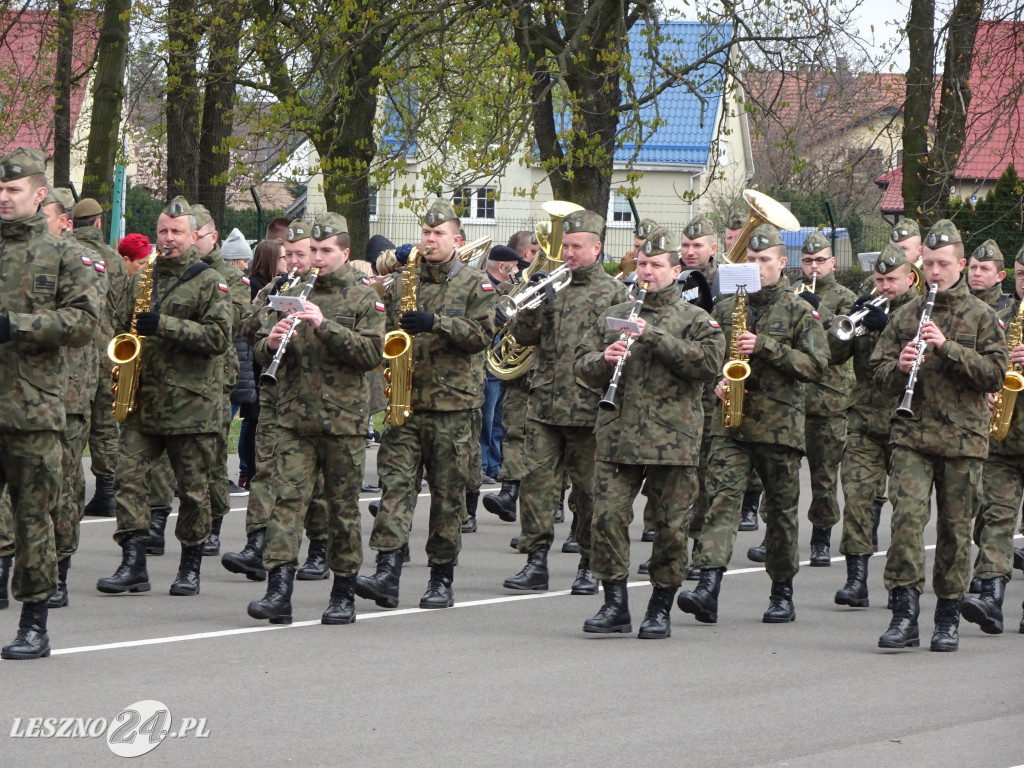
[
  {"x": 653, "y": 436},
  {"x": 178, "y": 402},
  {"x": 944, "y": 443},
  {"x": 907, "y": 235},
  {"x": 321, "y": 420},
  {"x": 49, "y": 299},
  {"x": 452, "y": 324},
  {"x": 985, "y": 274},
  {"x": 560, "y": 417},
  {"x": 825, "y": 407},
  {"x": 865, "y": 462},
  {"x": 786, "y": 345}
]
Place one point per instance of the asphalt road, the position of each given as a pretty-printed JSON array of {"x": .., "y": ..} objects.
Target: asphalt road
[{"x": 506, "y": 679}]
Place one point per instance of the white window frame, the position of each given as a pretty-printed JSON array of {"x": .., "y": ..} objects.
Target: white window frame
[{"x": 611, "y": 221}]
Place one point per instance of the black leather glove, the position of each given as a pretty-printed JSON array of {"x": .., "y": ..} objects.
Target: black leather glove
[
  {"x": 537, "y": 276},
  {"x": 417, "y": 322},
  {"x": 146, "y": 323},
  {"x": 5, "y": 329},
  {"x": 862, "y": 300},
  {"x": 876, "y": 318},
  {"x": 810, "y": 298}
]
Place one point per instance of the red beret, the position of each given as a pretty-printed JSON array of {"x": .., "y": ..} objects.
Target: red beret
[{"x": 134, "y": 247}]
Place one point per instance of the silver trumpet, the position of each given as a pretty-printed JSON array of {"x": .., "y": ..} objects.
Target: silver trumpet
[
  {"x": 532, "y": 296},
  {"x": 845, "y": 327}
]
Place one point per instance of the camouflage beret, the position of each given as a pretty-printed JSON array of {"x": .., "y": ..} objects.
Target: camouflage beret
[
  {"x": 891, "y": 258},
  {"x": 1019, "y": 258},
  {"x": 439, "y": 212},
  {"x": 21, "y": 163},
  {"x": 942, "y": 233},
  {"x": 905, "y": 228},
  {"x": 660, "y": 240},
  {"x": 202, "y": 214},
  {"x": 64, "y": 196},
  {"x": 735, "y": 220},
  {"x": 988, "y": 251},
  {"x": 763, "y": 237},
  {"x": 583, "y": 221},
  {"x": 815, "y": 242},
  {"x": 86, "y": 207},
  {"x": 329, "y": 225},
  {"x": 699, "y": 226},
  {"x": 297, "y": 230},
  {"x": 177, "y": 207},
  {"x": 645, "y": 227}
]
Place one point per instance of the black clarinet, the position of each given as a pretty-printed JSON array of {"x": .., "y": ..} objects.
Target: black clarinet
[
  {"x": 608, "y": 402},
  {"x": 905, "y": 410},
  {"x": 269, "y": 376}
]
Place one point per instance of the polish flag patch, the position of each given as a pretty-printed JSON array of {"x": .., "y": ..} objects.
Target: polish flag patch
[
  {"x": 246, "y": 280},
  {"x": 378, "y": 306},
  {"x": 99, "y": 266},
  {"x": 816, "y": 315},
  {"x": 1001, "y": 323},
  {"x": 87, "y": 261},
  {"x": 365, "y": 281},
  {"x": 223, "y": 287},
  {"x": 714, "y": 323},
  {"x": 487, "y": 287}
]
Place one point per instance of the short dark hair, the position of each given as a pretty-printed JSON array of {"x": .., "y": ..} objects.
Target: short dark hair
[
  {"x": 277, "y": 229},
  {"x": 520, "y": 241},
  {"x": 344, "y": 241},
  {"x": 85, "y": 221}
]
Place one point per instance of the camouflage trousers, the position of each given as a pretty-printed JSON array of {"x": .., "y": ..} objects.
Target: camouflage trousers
[
  {"x": 670, "y": 491},
  {"x": 551, "y": 451},
  {"x": 104, "y": 442},
  {"x": 957, "y": 483},
  {"x": 729, "y": 466},
  {"x": 220, "y": 500},
  {"x": 191, "y": 457},
  {"x": 700, "y": 507},
  {"x": 513, "y": 446},
  {"x": 299, "y": 463},
  {"x": 826, "y": 438},
  {"x": 475, "y": 478},
  {"x": 160, "y": 491},
  {"x": 67, "y": 518},
  {"x": 6, "y": 525},
  {"x": 865, "y": 469},
  {"x": 30, "y": 469},
  {"x": 1002, "y": 484},
  {"x": 439, "y": 442}
]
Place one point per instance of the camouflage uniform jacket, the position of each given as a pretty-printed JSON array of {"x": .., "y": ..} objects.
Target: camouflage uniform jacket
[
  {"x": 115, "y": 281},
  {"x": 791, "y": 348},
  {"x": 180, "y": 389},
  {"x": 660, "y": 417},
  {"x": 557, "y": 395},
  {"x": 870, "y": 407},
  {"x": 238, "y": 288},
  {"x": 325, "y": 386},
  {"x": 447, "y": 370},
  {"x": 993, "y": 296},
  {"x": 50, "y": 292},
  {"x": 1013, "y": 443},
  {"x": 86, "y": 362},
  {"x": 951, "y": 416},
  {"x": 827, "y": 396}
]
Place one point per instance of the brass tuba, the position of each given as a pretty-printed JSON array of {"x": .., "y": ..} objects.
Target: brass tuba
[
  {"x": 736, "y": 369},
  {"x": 398, "y": 348},
  {"x": 1002, "y": 413},
  {"x": 475, "y": 253},
  {"x": 763, "y": 210},
  {"x": 509, "y": 359}
]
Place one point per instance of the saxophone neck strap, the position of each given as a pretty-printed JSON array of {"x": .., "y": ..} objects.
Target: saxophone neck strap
[{"x": 187, "y": 275}]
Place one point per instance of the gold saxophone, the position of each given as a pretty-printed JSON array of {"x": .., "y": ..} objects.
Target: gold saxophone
[
  {"x": 125, "y": 350},
  {"x": 1002, "y": 413},
  {"x": 736, "y": 369},
  {"x": 398, "y": 348}
]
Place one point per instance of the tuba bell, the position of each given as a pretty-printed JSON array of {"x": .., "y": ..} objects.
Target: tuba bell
[{"x": 763, "y": 210}]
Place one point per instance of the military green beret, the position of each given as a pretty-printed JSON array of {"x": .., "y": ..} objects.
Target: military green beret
[
  {"x": 202, "y": 215},
  {"x": 64, "y": 196},
  {"x": 21, "y": 163},
  {"x": 583, "y": 221},
  {"x": 988, "y": 251},
  {"x": 177, "y": 207},
  {"x": 735, "y": 220},
  {"x": 815, "y": 242},
  {"x": 763, "y": 237},
  {"x": 86, "y": 207},
  {"x": 297, "y": 230},
  {"x": 942, "y": 233},
  {"x": 699, "y": 226},
  {"x": 905, "y": 228},
  {"x": 1020, "y": 256},
  {"x": 660, "y": 241},
  {"x": 891, "y": 258},
  {"x": 439, "y": 212},
  {"x": 645, "y": 228},
  {"x": 329, "y": 225}
]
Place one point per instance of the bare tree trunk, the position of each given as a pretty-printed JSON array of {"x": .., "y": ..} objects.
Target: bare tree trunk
[
  {"x": 182, "y": 99},
  {"x": 62, "y": 93}
]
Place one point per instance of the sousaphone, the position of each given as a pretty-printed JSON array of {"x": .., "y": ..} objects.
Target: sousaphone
[{"x": 763, "y": 210}]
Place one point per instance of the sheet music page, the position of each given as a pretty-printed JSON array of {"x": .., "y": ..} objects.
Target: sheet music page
[{"x": 731, "y": 276}]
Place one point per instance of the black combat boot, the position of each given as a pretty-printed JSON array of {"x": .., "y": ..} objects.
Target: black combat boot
[
  {"x": 854, "y": 592},
  {"x": 585, "y": 583},
  {"x": 276, "y": 605},
  {"x": 514, "y": 543},
  {"x": 947, "y": 623},
  {"x": 534, "y": 575},
  {"x": 439, "y": 592},
  {"x": 250, "y": 560},
  {"x": 821, "y": 543},
  {"x": 342, "y": 606},
  {"x": 702, "y": 602},
  {"x": 647, "y": 536},
  {"x": 986, "y": 610},
  {"x": 5, "y": 573},
  {"x": 693, "y": 572},
  {"x": 315, "y": 568},
  {"x": 102, "y": 503},
  {"x": 212, "y": 545},
  {"x": 157, "y": 525},
  {"x": 560, "y": 510},
  {"x": 876, "y": 518},
  {"x": 748, "y": 512},
  {"x": 382, "y": 587},
  {"x": 569, "y": 546},
  {"x": 780, "y": 604},
  {"x": 503, "y": 503},
  {"x": 373, "y": 507},
  {"x": 131, "y": 575},
  {"x": 757, "y": 554},
  {"x": 186, "y": 583},
  {"x": 31, "y": 642},
  {"x": 644, "y": 569},
  {"x": 1018, "y": 558},
  {"x": 472, "y": 500},
  {"x": 614, "y": 614},
  {"x": 406, "y": 555},
  {"x": 59, "y": 599},
  {"x": 974, "y": 587},
  {"x": 657, "y": 623},
  {"x": 903, "y": 631}
]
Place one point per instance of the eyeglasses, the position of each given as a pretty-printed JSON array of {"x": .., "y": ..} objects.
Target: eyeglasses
[{"x": 815, "y": 260}]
